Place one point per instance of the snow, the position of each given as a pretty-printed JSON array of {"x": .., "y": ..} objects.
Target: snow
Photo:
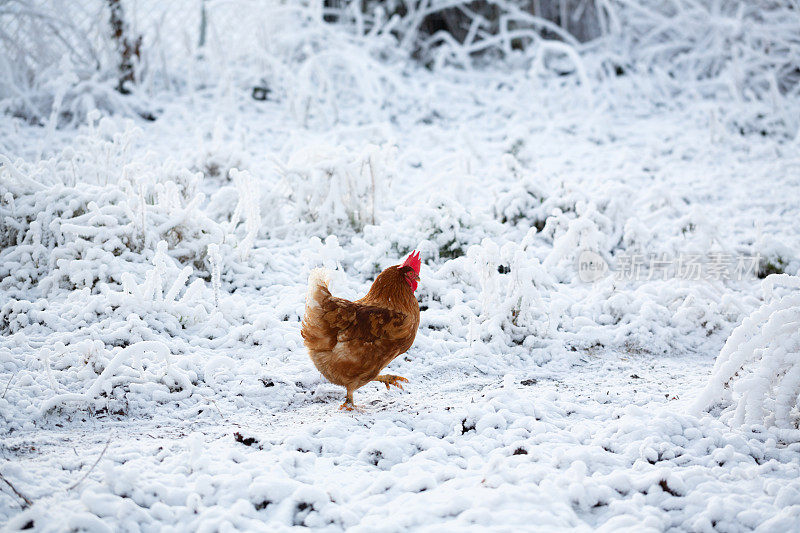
[{"x": 153, "y": 276}]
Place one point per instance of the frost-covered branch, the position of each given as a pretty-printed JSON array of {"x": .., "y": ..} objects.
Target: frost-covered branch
[{"x": 758, "y": 371}]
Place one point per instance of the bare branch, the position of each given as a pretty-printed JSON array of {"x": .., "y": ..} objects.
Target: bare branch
[
  {"x": 92, "y": 468},
  {"x": 26, "y": 501},
  {"x": 8, "y": 385}
]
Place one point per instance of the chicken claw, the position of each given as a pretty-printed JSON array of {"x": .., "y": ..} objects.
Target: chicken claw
[
  {"x": 348, "y": 404},
  {"x": 391, "y": 379}
]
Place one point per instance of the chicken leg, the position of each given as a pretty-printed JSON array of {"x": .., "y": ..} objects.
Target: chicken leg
[
  {"x": 348, "y": 404},
  {"x": 391, "y": 379}
]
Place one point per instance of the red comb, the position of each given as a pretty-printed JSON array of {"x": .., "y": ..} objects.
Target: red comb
[{"x": 413, "y": 261}]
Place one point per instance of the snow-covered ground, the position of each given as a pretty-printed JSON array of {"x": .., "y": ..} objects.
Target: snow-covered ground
[{"x": 153, "y": 274}]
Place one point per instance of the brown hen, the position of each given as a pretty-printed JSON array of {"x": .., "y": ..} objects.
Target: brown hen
[{"x": 351, "y": 342}]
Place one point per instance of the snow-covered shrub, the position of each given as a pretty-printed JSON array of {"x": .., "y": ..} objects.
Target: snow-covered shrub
[
  {"x": 86, "y": 235},
  {"x": 442, "y": 227},
  {"x": 465, "y": 32},
  {"x": 512, "y": 286},
  {"x": 756, "y": 376},
  {"x": 334, "y": 186},
  {"x": 746, "y": 50},
  {"x": 161, "y": 289},
  {"x": 60, "y": 62},
  {"x": 652, "y": 316},
  {"x": 775, "y": 257},
  {"x": 125, "y": 370},
  {"x": 39, "y": 223},
  {"x": 616, "y": 222},
  {"x": 416, "y": 24},
  {"x": 331, "y": 82},
  {"x": 219, "y": 152},
  {"x": 571, "y": 237},
  {"x": 527, "y": 203},
  {"x": 320, "y": 71},
  {"x": 523, "y": 203},
  {"x": 100, "y": 154},
  {"x": 247, "y": 208}
]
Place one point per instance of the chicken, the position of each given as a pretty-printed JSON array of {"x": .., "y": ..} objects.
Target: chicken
[{"x": 351, "y": 342}]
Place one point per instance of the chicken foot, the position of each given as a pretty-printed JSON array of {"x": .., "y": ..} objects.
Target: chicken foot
[
  {"x": 391, "y": 379},
  {"x": 348, "y": 404}
]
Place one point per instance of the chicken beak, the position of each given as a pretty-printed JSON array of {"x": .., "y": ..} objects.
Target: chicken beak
[{"x": 416, "y": 277}]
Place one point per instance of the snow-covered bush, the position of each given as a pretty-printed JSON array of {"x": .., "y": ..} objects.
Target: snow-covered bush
[
  {"x": 747, "y": 50},
  {"x": 523, "y": 202},
  {"x": 247, "y": 208},
  {"x": 125, "y": 370},
  {"x": 443, "y": 228},
  {"x": 161, "y": 290},
  {"x": 573, "y": 236},
  {"x": 333, "y": 187},
  {"x": 322, "y": 72},
  {"x": 465, "y": 33},
  {"x": 775, "y": 257},
  {"x": 220, "y": 152},
  {"x": 490, "y": 25},
  {"x": 512, "y": 286},
  {"x": 68, "y": 227},
  {"x": 59, "y": 62},
  {"x": 529, "y": 203},
  {"x": 650, "y": 316},
  {"x": 756, "y": 377},
  {"x": 101, "y": 152},
  {"x": 332, "y": 82},
  {"x": 39, "y": 222}
]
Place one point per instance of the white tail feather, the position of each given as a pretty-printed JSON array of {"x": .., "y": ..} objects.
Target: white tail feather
[{"x": 317, "y": 277}]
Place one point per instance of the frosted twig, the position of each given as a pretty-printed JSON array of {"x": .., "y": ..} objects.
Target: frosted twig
[
  {"x": 217, "y": 407},
  {"x": 92, "y": 467},
  {"x": 46, "y": 364},
  {"x": 214, "y": 259},
  {"x": 8, "y": 385},
  {"x": 27, "y": 502}
]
